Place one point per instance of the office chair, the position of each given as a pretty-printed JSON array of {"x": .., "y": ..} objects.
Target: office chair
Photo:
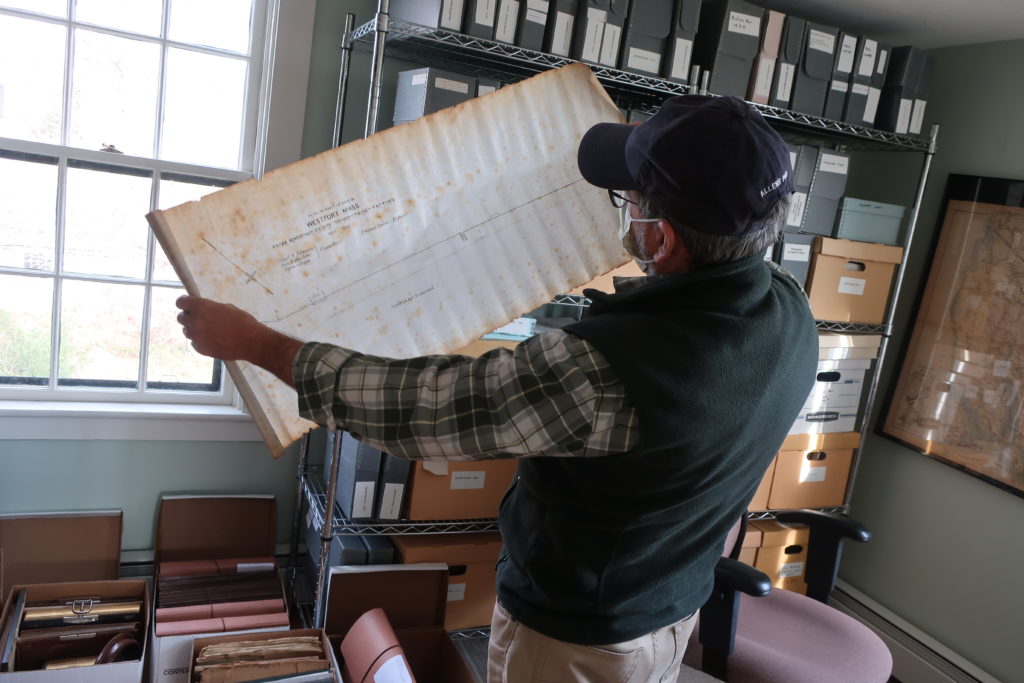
[{"x": 748, "y": 632}]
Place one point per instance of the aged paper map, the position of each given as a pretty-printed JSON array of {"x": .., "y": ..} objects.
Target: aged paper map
[
  {"x": 414, "y": 241},
  {"x": 959, "y": 396}
]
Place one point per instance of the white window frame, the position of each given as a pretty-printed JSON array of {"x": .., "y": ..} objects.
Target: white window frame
[{"x": 274, "y": 115}]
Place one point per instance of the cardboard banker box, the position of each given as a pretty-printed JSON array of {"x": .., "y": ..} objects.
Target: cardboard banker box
[
  {"x": 471, "y": 574},
  {"x": 65, "y": 606},
  {"x": 458, "y": 490},
  {"x": 850, "y": 281},
  {"x": 814, "y": 473},
  {"x": 783, "y": 554},
  {"x": 235, "y": 536}
]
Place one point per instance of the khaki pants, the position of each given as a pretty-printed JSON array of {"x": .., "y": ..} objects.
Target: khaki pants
[{"x": 518, "y": 654}]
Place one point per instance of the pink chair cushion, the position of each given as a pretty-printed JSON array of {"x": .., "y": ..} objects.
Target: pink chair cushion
[{"x": 786, "y": 637}]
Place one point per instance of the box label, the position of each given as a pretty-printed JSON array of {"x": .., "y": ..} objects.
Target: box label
[
  {"x": 391, "y": 501},
  {"x": 821, "y": 41},
  {"x": 797, "y": 202},
  {"x": 244, "y": 567},
  {"x": 917, "y": 117},
  {"x": 765, "y": 71},
  {"x": 419, "y": 79},
  {"x": 747, "y": 24},
  {"x": 784, "y": 91},
  {"x": 791, "y": 569},
  {"x": 840, "y": 86},
  {"x": 485, "y": 12},
  {"x": 362, "y": 499},
  {"x": 537, "y": 11},
  {"x": 468, "y": 480},
  {"x": 903, "y": 118},
  {"x": 852, "y": 285},
  {"x": 812, "y": 474},
  {"x": 596, "y": 20},
  {"x": 871, "y": 108},
  {"x": 482, "y": 90},
  {"x": 681, "y": 58},
  {"x": 834, "y": 163},
  {"x": 796, "y": 252},
  {"x": 508, "y": 12},
  {"x": 451, "y": 15},
  {"x": 859, "y": 89},
  {"x": 561, "y": 39},
  {"x": 847, "y": 52},
  {"x": 643, "y": 60},
  {"x": 394, "y": 670},
  {"x": 867, "y": 59},
  {"x": 882, "y": 56},
  {"x": 456, "y": 591},
  {"x": 452, "y": 86},
  {"x": 610, "y": 44}
]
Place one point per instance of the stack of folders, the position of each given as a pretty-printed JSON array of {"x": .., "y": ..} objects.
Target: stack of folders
[
  {"x": 218, "y": 595},
  {"x": 280, "y": 658},
  {"x": 77, "y": 631}
]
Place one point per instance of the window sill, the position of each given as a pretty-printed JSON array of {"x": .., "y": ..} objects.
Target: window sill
[{"x": 30, "y": 420}]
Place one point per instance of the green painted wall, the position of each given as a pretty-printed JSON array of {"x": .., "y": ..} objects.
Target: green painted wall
[{"x": 947, "y": 550}]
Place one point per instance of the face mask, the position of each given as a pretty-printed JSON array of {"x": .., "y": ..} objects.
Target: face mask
[{"x": 628, "y": 241}]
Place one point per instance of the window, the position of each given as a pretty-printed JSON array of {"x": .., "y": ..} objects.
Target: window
[
  {"x": 109, "y": 109},
  {"x": 88, "y": 297}
]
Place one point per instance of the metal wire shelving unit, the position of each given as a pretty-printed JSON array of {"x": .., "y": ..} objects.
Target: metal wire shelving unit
[{"x": 385, "y": 36}]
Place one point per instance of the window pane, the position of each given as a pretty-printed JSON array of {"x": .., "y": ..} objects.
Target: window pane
[
  {"x": 27, "y": 214},
  {"x": 105, "y": 229},
  {"x": 171, "y": 357},
  {"x": 223, "y": 24},
  {"x": 26, "y": 304},
  {"x": 100, "y": 331},
  {"x": 114, "y": 93},
  {"x": 31, "y": 79},
  {"x": 173, "y": 193},
  {"x": 204, "y": 106},
  {"x": 57, "y": 8},
  {"x": 139, "y": 16}
]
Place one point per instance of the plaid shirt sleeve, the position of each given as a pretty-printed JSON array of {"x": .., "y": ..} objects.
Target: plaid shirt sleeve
[{"x": 554, "y": 394}]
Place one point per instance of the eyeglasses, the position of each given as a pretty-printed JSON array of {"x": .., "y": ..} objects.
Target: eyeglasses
[{"x": 618, "y": 200}]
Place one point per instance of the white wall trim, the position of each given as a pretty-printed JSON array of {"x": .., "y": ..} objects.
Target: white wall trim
[
  {"x": 44, "y": 420},
  {"x": 917, "y": 657}
]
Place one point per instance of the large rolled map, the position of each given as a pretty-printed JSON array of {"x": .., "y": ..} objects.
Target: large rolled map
[{"x": 414, "y": 241}]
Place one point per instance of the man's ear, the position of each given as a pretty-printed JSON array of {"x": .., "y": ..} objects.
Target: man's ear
[{"x": 671, "y": 255}]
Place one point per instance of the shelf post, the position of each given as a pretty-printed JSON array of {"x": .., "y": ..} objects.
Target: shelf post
[
  {"x": 377, "y": 67},
  {"x": 327, "y": 533},
  {"x": 346, "y": 60},
  {"x": 926, "y": 164},
  {"x": 300, "y": 471}
]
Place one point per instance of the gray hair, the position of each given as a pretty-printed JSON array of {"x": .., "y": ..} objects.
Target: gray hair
[{"x": 707, "y": 249}]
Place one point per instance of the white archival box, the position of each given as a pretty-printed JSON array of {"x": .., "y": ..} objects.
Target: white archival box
[{"x": 414, "y": 241}]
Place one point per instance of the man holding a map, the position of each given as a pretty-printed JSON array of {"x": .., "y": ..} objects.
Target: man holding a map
[{"x": 642, "y": 431}]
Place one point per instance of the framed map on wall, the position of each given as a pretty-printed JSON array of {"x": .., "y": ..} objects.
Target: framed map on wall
[{"x": 959, "y": 395}]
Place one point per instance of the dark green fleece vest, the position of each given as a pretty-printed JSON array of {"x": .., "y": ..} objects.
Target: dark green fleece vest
[{"x": 717, "y": 363}]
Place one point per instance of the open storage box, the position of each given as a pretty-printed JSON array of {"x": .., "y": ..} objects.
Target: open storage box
[
  {"x": 69, "y": 564},
  {"x": 296, "y": 671},
  {"x": 413, "y": 596},
  {"x": 197, "y": 529}
]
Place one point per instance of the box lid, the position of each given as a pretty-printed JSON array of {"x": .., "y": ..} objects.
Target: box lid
[
  {"x": 215, "y": 527},
  {"x": 838, "y": 340},
  {"x": 412, "y": 595},
  {"x": 449, "y": 548},
  {"x": 55, "y": 547},
  {"x": 865, "y": 251},
  {"x": 821, "y": 442}
]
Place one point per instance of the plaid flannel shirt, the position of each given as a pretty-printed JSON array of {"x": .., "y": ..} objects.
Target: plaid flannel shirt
[{"x": 554, "y": 394}]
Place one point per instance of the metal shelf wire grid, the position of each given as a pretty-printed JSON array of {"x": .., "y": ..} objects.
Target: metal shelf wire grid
[
  {"x": 480, "y": 57},
  {"x": 316, "y": 495}
]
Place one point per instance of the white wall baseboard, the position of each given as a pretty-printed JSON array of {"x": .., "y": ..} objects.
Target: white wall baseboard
[{"x": 917, "y": 657}]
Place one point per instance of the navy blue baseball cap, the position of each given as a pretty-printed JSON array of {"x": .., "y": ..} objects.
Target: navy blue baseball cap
[{"x": 711, "y": 163}]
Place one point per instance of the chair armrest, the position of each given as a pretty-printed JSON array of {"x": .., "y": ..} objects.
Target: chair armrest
[
  {"x": 720, "y": 614},
  {"x": 732, "y": 574},
  {"x": 825, "y": 547}
]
